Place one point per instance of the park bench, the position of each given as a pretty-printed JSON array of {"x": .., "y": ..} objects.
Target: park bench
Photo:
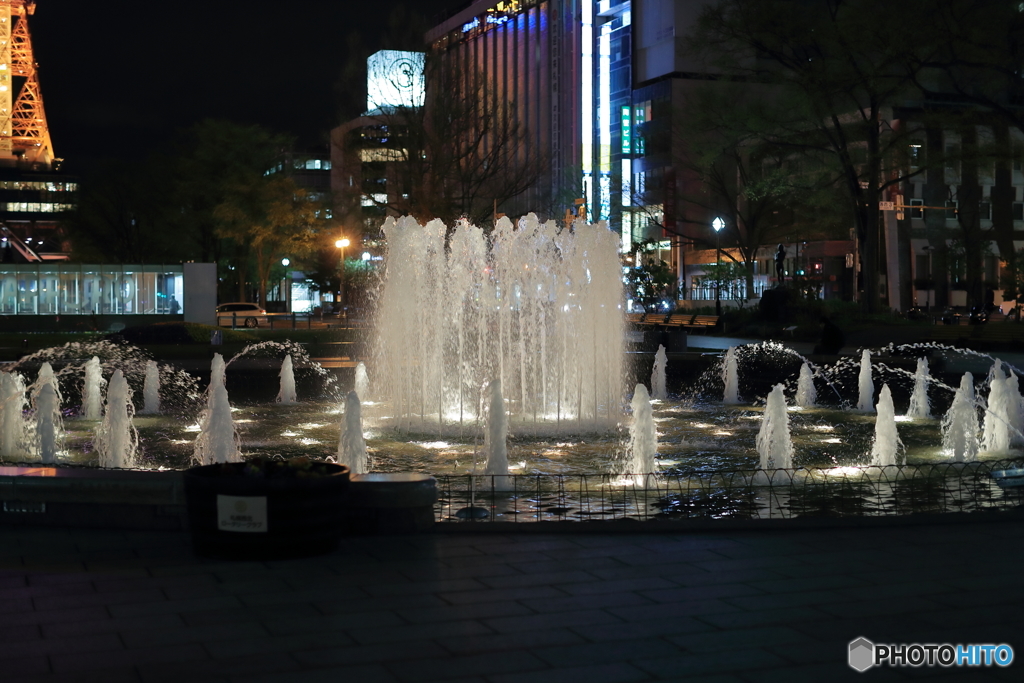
[
  {"x": 678, "y": 320},
  {"x": 635, "y": 318},
  {"x": 702, "y": 322}
]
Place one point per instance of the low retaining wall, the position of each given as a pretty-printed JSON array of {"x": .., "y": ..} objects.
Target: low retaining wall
[
  {"x": 409, "y": 503},
  {"x": 80, "y": 497},
  {"x": 137, "y": 499}
]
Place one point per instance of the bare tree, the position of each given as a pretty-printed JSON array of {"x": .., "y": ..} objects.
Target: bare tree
[
  {"x": 834, "y": 72},
  {"x": 461, "y": 154}
]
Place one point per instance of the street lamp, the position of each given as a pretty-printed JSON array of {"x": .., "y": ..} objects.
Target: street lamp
[
  {"x": 718, "y": 224},
  {"x": 341, "y": 244}
]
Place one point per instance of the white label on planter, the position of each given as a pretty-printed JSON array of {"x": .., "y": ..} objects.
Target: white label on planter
[{"x": 242, "y": 513}]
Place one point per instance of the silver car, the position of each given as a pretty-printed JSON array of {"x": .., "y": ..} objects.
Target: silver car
[{"x": 241, "y": 313}]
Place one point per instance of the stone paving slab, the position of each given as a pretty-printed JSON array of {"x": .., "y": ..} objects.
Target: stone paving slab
[{"x": 727, "y": 607}]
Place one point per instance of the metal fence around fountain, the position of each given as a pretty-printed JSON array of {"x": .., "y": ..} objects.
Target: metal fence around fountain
[{"x": 869, "y": 491}]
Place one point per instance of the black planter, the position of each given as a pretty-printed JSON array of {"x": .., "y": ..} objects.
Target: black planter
[{"x": 236, "y": 516}]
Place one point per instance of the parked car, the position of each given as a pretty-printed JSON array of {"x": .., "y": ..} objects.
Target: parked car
[{"x": 241, "y": 313}]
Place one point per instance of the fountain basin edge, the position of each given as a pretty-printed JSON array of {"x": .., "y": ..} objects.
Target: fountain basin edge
[
  {"x": 155, "y": 500},
  {"x": 80, "y": 497}
]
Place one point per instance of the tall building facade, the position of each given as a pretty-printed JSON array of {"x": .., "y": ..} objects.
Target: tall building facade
[
  {"x": 593, "y": 89},
  {"x": 521, "y": 60},
  {"x": 33, "y": 192},
  {"x": 591, "y": 82},
  {"x": 372, "y": 155}
]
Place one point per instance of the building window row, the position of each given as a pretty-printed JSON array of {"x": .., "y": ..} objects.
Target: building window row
[
  {"x": 303, "y": 165},
  {"x": 44, "y": 186},
  {"x": 36, "y": 207}
]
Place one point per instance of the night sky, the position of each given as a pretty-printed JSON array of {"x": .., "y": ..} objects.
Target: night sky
[{"x": 119, "y": 76}]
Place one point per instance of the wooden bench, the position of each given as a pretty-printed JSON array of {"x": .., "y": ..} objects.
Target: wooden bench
[
  {"x": 678, "y": 320},
  {"x": 702, "y": 322},
  {"x": 635, "y": 318}
]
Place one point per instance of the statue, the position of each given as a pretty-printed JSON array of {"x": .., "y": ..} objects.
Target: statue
[{"x": 780, "y": 263}]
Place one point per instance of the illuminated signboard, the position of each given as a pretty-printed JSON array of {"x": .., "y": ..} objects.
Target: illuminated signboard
[{"x": 394, "y": 79}]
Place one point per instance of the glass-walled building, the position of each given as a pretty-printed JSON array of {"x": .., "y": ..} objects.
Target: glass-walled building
[
  {"x": 31, "y": 207},
  {"x": 66, "y": 289}
]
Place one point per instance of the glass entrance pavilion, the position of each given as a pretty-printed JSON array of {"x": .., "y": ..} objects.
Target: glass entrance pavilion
[{"x": 73, "y": 289}]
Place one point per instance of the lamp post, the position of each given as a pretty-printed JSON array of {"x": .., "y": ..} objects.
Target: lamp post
[
  {"x": 341, "y": 244},
  {"x": 718, "y": 224},
  {"x": 927, "y": 249}
]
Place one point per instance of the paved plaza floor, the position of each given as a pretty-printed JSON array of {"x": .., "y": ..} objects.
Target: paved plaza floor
[{"x": 724, "y": 606}]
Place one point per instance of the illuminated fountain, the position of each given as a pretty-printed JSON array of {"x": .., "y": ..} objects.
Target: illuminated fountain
[
  {"x": 885, "y": 449},
  {"x": 92, "y": 394},
  {"x": 46, "y": 376},
  {"x": 866, "y": 387},
  {"x": 960, "y": 423},
  {"x": 218, "y": 438},
  {"x": 48, "y": 424},
  {"x": 12, "y": 421},
  {"x": 819, "y": 437},
  {"x": 217, "y": 372},
  {"x": 774, "y": 444},
  {"x": 496, "y": 443},
  {"x": 642, "y": 447},
  {"x": 806, "y": 394},
  {"x": 920, "y": 406},
  {"x": 995, "y": 431},
  {"x": 658, "y": 390},
  {"x": 689, "y": 432},
  {"x": 362, "y": 382},
  {"x": 351, "y": 446},
  {"x": 117, "y": 440},
  {"x": 166, "y": 422},
  {"x": 151, "y": 390},
  {"x": 533, "y": 305},
  {"x": 286, "y": 395},
  {"x": 730, "y": 377},
  {"x": 1015, "y": 410}
]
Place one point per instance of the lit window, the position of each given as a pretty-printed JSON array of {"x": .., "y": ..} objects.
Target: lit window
[
  {"x": 915, "y": 153},
  {"x": 951, "y": 211}
]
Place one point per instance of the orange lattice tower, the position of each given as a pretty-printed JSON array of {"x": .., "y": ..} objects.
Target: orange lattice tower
[{"x": 24, "y": 135}]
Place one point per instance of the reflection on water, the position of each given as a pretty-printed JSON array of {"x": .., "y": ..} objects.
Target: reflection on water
[{"x": 701, "y": 438}]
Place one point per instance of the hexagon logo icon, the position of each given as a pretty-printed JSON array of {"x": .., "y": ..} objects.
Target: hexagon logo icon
[{"x": 862, "y": 654}]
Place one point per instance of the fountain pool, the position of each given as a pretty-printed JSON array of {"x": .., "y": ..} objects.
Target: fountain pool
[
  {"x": 702, "y": 446},
  {"x": 695, "y": 430}
]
